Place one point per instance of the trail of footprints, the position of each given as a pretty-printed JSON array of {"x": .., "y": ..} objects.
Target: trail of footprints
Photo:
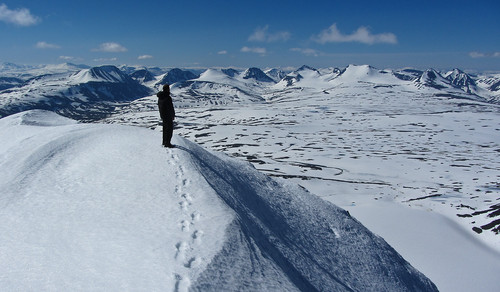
[{"x": 186, "y": 248}]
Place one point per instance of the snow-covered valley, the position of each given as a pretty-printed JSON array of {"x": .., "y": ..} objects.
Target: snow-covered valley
[{"x": 411, "y": 154}]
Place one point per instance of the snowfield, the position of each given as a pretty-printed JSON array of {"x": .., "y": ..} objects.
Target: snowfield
[
  {"x": 417, "y": 164},
  {"x": 103, "y": 207},
  {"x": 412, "y": 155}
]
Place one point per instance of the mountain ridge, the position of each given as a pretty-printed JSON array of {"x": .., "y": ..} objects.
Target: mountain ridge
[
  {"x": 107, "y": 210},
  {"x": 86, "y": 94},
  {"x": 69, "y": 89}
]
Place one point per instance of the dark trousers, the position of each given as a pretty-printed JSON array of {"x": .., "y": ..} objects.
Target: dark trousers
[{"x": 168, "y": 129}]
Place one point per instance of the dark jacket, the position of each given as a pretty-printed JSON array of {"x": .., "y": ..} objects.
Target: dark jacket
[{"x": 165, "y": 106}]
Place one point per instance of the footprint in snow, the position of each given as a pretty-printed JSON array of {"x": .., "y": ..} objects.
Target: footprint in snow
[
  {"x": 184, "y": 205},
  {"x": 197, "y": 236},
  {"x": 171, "y": 162},
  {"x": 182, "y": 283},
  {"x": 195, "y": 216},
  {"x": 181, "y": 247},
  {"x": 187, "y": 197},
  {"x": 182, "y": 170},
  {"x": 192, "y": 262},
  {"x": 185, "y": 225}
]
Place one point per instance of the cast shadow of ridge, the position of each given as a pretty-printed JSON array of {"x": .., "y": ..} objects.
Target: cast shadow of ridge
[
  {"x": 316, "y": 245},
  {"x": 233, "y": 192}
]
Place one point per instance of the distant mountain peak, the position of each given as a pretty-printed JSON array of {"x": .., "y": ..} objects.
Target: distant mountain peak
[
  {"x": 432, "y": 78},
  {"x": 105, "y": 73},
  {"x": 291, "y": 79},
  {"x": 305, "y": 67},
  {"x": 257, "y": 74},
  {"x": 357, "y": 72},
  {"x": 142, "y": 75},
  {"x": 276, "y": 74},
  {"x": 176, "y": 75},
  {"x": 230, "y": 72},
  {"x": 460, "y": 79}
]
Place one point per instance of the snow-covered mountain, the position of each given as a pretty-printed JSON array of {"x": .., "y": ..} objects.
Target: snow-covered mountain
[
  {"x": 176, "y": 75},
  {"x": 67, "y": 87},
  {"x": 432, "y": 78},
  {"x": 408, "y": 74},
  {"x": 108, "y": 74},
  {"x": 275, "y": 74},
  {"x": 230, "y": 72},
  {"x": 222, "y": 86},
  {"x": 490, "y": 85},
  {"x": 143, "y": 76},
  {"x": 87, "y": 94},
  {"x": 78, "y": 216},
  {"x": 462, "y": 80},
  {"x": 365, "y": 74},
  {"x": 257, "y": 75},
  {"x": 455, "y": 83}
]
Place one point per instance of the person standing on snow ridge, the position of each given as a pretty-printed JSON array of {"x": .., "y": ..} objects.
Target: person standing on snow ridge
[{"x": 167, "y": 114}]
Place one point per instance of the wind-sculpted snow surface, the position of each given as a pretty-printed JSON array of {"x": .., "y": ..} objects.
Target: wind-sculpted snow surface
[
  {"x": 102, "y": 207},
  {"x": 317, "y": 245}
]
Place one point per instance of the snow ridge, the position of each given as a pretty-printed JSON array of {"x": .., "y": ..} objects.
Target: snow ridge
[
  {"x": 215, "y": 223},
  {"x": 100, "y": 74},
  {"x": 318, "y": 246}
]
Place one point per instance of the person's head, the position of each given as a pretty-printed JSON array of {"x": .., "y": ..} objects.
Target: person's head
[{"x": 166, "y": 88}]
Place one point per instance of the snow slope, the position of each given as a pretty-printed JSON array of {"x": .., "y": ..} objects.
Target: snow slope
[{"x": 103, "y": 207}]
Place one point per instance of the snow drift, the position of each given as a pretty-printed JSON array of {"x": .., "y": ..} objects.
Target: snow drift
[{"x": 86, "y": 207}]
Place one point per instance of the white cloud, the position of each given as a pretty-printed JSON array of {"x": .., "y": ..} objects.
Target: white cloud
[
  {"x": 361, "y": 35},
  {"x": 223, "y": 52},
  {"x": 45, "y": 45},
  {"x": 307, "y": 52},
  {"x": 144, "y": 57},
  {"x": 484, "y": 55},
  {"x": 256, "y": 50},
  {"x": 110, "y": 48},
  {"x": 70, "y": 59},
  {"x": 262, "y": 35},
  {"x": 105, "y": 60},
  {"x": 21, "y": 17},
  {"x": 477, "y": 55}
]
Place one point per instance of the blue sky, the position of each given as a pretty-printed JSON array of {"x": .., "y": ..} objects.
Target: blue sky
[{"x": 218, "y": 33}]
